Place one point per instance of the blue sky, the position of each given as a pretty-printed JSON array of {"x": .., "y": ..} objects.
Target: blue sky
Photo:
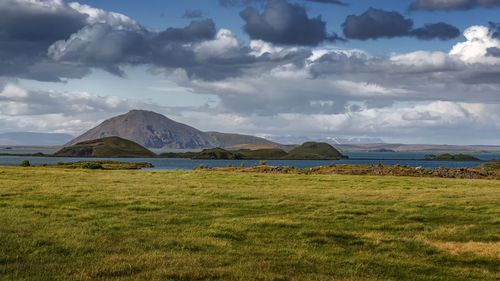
[{"x": 397, "y": 71}]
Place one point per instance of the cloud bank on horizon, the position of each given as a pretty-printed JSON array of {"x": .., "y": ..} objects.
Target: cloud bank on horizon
[{"x": 290, "y": 75}]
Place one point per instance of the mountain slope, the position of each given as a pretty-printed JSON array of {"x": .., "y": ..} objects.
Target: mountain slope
[
  {"x": 105, "y": 147},
  {"x": 151, "y": 130},
  {"x": 34, "y": 139},
  {"x": 236, "y": 140}
]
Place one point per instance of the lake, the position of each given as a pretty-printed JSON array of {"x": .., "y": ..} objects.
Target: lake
[{"x": 386, "y": 158}]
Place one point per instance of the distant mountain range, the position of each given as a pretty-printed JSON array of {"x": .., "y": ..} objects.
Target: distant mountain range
[
  {"x": 417, "y": 147},
  {"x": 330, "y": 140},
  {"x": 153, "y": 130},
  {"x": 34, "y": 139}
]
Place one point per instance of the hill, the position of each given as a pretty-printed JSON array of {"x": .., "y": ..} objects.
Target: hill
[
  {"x": 451, "y": 157},
  {"x": 243, "y": 141},
  {"x": 151, "y": 130},
  {"x": 314, "y": 150},
  {"x": 307, "y": 151},
  {"x": 34, "y": 139},
  {"x": 106, "y": 147}
]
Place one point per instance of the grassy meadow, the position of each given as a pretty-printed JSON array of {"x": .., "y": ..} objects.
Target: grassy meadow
[{"x": 73, "y": 224}]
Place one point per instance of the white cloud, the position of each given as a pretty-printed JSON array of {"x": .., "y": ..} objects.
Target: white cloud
[
  {"x": 225, "y": 44},
  {"x": 474, "y": 50},
  {"x": 116, "y": 20},
  {"x": 259, "y": 48},
  {"x": 423, "y": 61}
]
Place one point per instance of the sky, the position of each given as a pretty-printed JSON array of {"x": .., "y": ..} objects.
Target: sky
[{"x": 399, "y": 71}]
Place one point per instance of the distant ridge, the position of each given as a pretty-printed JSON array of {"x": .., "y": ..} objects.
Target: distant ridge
[
  {"x": 153, "y": 130},
  {"x": 34, "y": 139},
  {"x": 418, "y": 147}
]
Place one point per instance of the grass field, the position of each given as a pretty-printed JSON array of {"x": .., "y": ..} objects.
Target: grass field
[{"x": 58, "y": 224}]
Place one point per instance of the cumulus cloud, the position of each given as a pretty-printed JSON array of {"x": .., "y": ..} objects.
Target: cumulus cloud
[
  {"x": 102, "y": 46},
  {"x": 285, "y": 23},
  {"x": 108, "y": 47},
  {"x": 197, "y": 49},
  {"x": 375, "y": 23},
  {"x": 425, "y": 62},
  {"x": 195, "y": 31},
  {"x": 479, "y": 39},
  {"x": 27, "y": 29},
  {"x": 23, "y": 109},
  {"x": 99, "y": 16},
  {"x": 15, "y": 100},
  {"x": 439, "y": 121},
  {"x": 301, "y": 89},
  {"x": 433, "y": 5},
  {"x": 329, "y": 81}
]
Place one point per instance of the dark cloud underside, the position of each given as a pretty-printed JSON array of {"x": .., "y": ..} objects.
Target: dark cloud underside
[
  {"x": 195, "y": 31},
  {"x": 440, "y": 30},
  {"x": 26, "y": 32},
  {"x": 285, "y": 23},
  {"x": 375, "y": 23}
]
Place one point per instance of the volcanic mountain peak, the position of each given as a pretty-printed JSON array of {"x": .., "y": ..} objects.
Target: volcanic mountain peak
[{"x": 151, "y": 130}]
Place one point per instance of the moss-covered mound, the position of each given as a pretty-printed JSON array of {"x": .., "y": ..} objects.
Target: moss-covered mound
[
  {"x": 222, "y": 154},
  {"x": 307, "y": 151},
  {"x": 110, "y": 147},
  {"x": 314, "y": 151},
  {"x": 212, "y": 153},
  {"x": 456, "y": 157}
]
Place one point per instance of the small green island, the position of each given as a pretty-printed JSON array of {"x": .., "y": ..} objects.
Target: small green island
[
  {"x": 116, "y": 147},
  {"x": 451, "y": 157},
  {"x": 306, "y": 151},
  {"x": 110, "y": 147}
]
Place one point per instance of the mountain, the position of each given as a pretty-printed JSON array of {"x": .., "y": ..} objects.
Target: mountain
[
  {"x": 106, "y": 147},
  {"x": 151, "y": 130},
  {"x": 34, "y": 139}
]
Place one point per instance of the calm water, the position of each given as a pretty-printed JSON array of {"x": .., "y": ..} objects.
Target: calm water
[{"x": 388, "y": 158}]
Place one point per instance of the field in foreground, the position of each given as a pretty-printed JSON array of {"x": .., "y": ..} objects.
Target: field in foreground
[{"x": 58, "y": 224}]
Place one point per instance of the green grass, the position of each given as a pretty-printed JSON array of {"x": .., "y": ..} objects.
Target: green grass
[{"x": 58, "y": 224}]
